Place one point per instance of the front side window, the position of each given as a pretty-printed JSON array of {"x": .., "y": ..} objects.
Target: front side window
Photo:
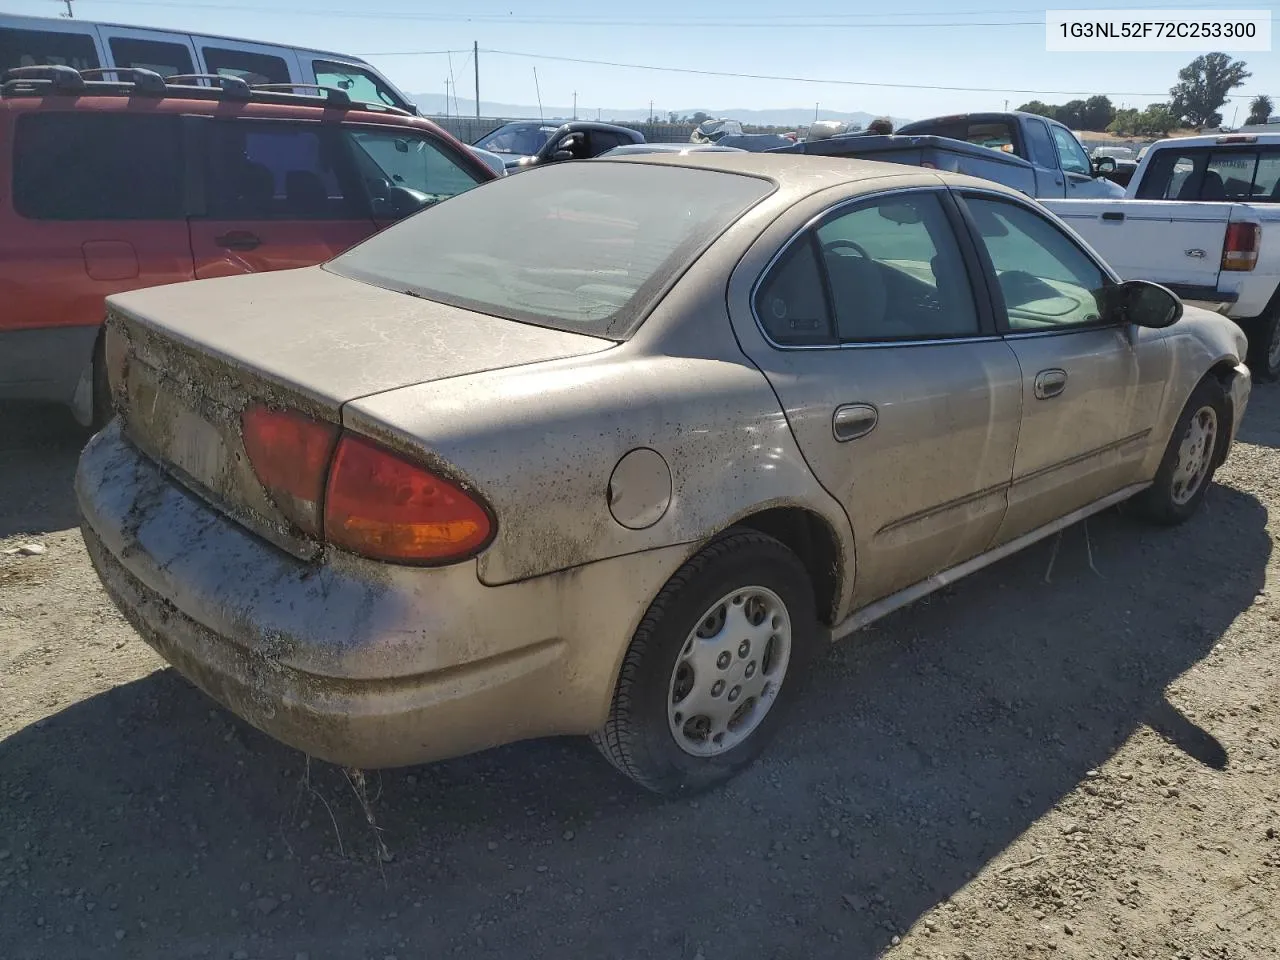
[
  {"x": 250, "y": 67},
  {"x": 272, "y": 171},
  {"x": 98, "y": 166},
  {"x": 395, "y": 164},
  {"x": 33, "y": 48},
  {"x": 361, "y": 84},
  {"x": 585, "y": 248},
  {"x": 166, "y": 59},
  {"x": 888, "y": 270},
  {"x": 1046, "y": 280},
  {"x": 1070, "y": 153}
]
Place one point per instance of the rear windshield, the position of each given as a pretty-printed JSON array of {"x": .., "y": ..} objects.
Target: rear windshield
[
  {"x": 1249, "y": 174},
  {"x": 585, "y": 247},
  {"x": 996, "y": 134}
]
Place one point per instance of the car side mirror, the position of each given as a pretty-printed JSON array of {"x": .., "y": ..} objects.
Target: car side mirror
[
  {"x": 1146, "y": 304},
  {"x": 562, "y": 155},
  {"x": 1105, "y": 165}
]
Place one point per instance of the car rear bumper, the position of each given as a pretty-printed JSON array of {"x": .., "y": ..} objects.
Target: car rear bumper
[
  {"x": 362, "y": 664},
  {"x": 45, "y": 363}
]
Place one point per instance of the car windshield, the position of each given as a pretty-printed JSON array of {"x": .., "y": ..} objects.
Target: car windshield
[
  {"x": 584, "y": 247},
  {"x": 524, "y": 139}
]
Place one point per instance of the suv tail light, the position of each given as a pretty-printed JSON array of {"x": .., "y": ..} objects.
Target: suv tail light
[
  {"x": 382, "y": 506},
  {"x": 1240, "y": 251},
  {"x": 290, "y": 452}
]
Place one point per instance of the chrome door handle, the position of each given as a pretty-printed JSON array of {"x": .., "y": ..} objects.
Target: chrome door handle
[
  {"x": 1050, "y": 383},
  {"x": 853, "y": 420}
]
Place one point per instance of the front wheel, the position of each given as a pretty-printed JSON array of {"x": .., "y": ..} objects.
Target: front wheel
[
  {"x": 712, "y": 666},
  {"x": 1191, "y": 456}
]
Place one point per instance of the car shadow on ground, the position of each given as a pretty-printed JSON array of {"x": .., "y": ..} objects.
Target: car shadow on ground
[
  {"x": 921, "y": 750},
  {"x": 1259, "y": 429},
  {"x": 39, "y": 447}
]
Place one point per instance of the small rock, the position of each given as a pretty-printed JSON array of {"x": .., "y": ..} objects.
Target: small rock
[
  {"x": 27, "y": 550},
  {"x": 119, "y": 934},
  {"x": 1070, "y": 828},
  {"x": 895, "y": 940},
  {"x": 542, "y": 868},
  {"x": 1172, "y": 792},
  {"x": 493, "y": 845},
  {"x": 854, "y": 902},
  {"x": 266, "y": 905},
  {"x": 835, "y": 833},
  {"x": 240, "y": 955},
  {"x": 568, "y": 834},
  {"x": 1068, "y": 930}
]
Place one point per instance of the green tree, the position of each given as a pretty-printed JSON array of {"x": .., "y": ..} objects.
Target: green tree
[
  {"x": 1260, "y": 108},
  {"x": 1039, "y": 109},
  {"x": 1204, "y": 85},
  {"x": 1125, "y": 122},
  {"x": 1157, "y": 120},
  {"x": 1097, "y": 113}
]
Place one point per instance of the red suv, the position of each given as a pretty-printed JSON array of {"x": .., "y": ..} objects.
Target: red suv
[{"x": 118, "y": 185}]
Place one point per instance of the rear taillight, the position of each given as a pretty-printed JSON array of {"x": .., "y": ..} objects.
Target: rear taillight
[
  {"x": 290, "y": 454},
  {"x": 1240, "y": 251},
  {"x": 382, "y": 506}
]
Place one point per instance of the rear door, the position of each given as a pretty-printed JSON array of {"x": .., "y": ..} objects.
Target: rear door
[
  {"x": 904, "y": 401},
  {"x": 168, "y": 54},
  {"x": 1044, "y": 157},
  {"x": 277, "y": 195},
  {"x": 97, "y": 208}
]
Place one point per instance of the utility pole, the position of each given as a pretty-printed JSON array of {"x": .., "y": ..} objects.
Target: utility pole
[
  {"x": 651, "y": 111},
  {"x": 575, "y": 104},
  {"x": 1006, "y": 106},
  {"x": 446, "y": 97},
  {"x": 69, "y": 14},
  {"x": 475, "y": 57},
  {"x": 815, "y": 113}
]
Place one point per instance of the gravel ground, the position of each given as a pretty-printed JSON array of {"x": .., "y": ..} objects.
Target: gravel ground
[{"x": 1085, "y": 767}]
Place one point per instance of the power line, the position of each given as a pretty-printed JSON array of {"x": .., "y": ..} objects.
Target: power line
[
  {"x": 785, "y": 79},
  {"x": 807, "y": 21}
]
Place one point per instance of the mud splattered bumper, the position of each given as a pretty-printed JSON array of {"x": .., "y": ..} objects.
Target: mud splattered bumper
[{"x": 355, "y": 662}]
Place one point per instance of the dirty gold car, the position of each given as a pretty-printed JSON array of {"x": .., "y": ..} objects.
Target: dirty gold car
[{"x": 617, "y": 448}]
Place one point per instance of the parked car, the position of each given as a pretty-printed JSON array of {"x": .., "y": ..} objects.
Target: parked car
[
  {"x": 935, "y": 153},
  {"x": 710, "y": 131},
  {"x": 1062, "y": 167},
  {"x": 116, "y": 186},
  {"x": 523, "y": 144},
  {"x": 632, "y": 149},
  {"x": 1201, "y": 215},
  {"x": 573, "y": 454},
  {"x": 86, "y": 45}
]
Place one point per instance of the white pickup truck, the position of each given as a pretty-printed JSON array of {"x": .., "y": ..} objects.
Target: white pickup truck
[{"x": 1201, "y": 216}]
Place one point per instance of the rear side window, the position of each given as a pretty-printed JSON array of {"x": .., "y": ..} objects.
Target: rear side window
[
  {"x": 276, "y": 171},
  {"x": 30, "y": 48},
  {"x": 95, "y": 166},
  {"x": 166, "y": 59},
  {"x": 584, "y": 247},
  {"x": 1041, "y": 145},
  {"x": 249, "y": 67}
]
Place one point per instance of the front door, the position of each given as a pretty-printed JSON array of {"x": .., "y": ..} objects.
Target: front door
[
  {"x": 1076, "y": 166},
  {"x": 1044, "y": 157},
  {"x": 276, "y": 196},
  {"x": 1091, "y": 389},
  {"x": 903, "y": 401}
]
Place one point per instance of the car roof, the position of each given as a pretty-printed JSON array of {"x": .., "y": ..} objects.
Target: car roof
[{"x": 800, "y": 174}]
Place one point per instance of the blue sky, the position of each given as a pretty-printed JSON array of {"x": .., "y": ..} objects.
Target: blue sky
[{"x": 995, "y": 44}]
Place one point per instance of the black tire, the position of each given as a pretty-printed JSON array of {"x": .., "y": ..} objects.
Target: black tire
[
  {"x": 1160, "y": 502},
  {"x": 637, "y": 737},
  {"x": 1263, "y": 333},
  {"x": 103, "y": 406}
]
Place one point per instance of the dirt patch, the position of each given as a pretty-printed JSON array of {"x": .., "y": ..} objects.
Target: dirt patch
[{"x": 1088, "y": 767}]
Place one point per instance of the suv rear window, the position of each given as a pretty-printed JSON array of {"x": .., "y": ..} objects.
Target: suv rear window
[
  {"x": 584, "y": 247},
  {"x": 29, "y": 48},
  {"x": 97, "y": 166}
]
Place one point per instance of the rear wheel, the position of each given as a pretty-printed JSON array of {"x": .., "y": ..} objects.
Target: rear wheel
[
  {"x": 718, "y": 657},
  {"x": 1264, "y": 345},
  {"x": 1191, "y": 457}
]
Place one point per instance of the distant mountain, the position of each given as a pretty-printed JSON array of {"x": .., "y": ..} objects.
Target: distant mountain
[{"x": 434, "y": 104}]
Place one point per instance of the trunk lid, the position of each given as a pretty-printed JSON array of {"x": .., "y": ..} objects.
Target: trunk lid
[{"x": 185, "y": 360}]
